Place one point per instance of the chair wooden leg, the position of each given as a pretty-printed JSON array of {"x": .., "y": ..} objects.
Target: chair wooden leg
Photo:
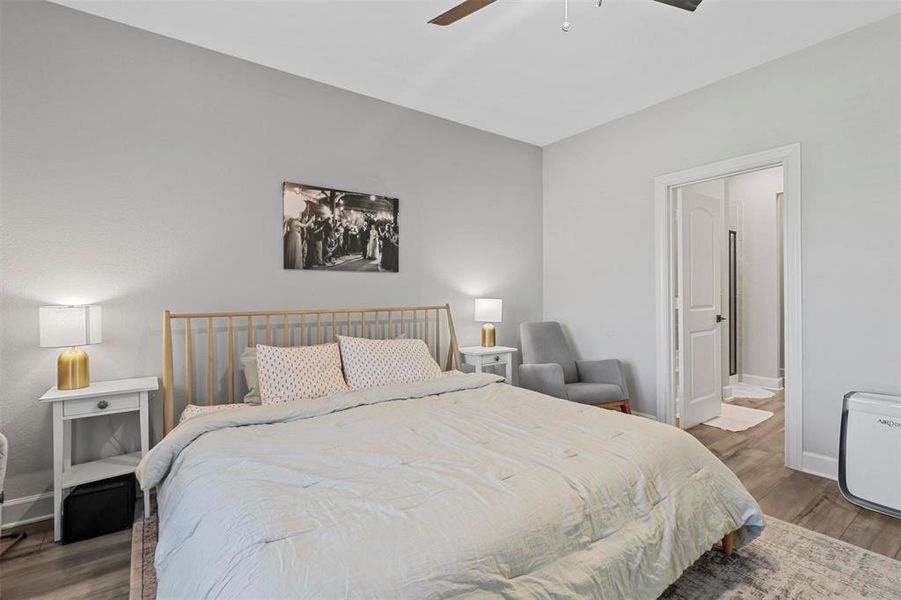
[
  {"x": 623, "y": 405},
  {"x": 728, "y": 541}
]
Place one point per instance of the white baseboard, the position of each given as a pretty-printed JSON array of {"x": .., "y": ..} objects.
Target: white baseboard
[
  {"x": 819, "y": 465},
  {"x": 772, "y": 383},
  {"x": 645, "y": 415},
  {"x": 27, "y": 509},
  {"x": 727, "y": 392}
]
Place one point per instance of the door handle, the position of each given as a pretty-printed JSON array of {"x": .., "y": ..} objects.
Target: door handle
[{"x": 720, "y": 318}]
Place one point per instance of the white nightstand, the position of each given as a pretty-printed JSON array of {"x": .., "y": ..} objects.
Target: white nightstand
[
  {"x": 481, "y": 356},
  {"x": 99, "y": 398}
]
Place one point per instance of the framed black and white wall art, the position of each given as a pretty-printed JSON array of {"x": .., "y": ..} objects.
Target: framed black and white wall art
[{"x": 334, "y": 230}]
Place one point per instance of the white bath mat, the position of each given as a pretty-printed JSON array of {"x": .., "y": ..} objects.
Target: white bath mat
[
  {"x": 738, "y": 418},
  {"x": 746, "y": 390}
]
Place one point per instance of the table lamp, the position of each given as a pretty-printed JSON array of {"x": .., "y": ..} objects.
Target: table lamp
[
  {"x": 70, "y": 326},
  {"x": 488, "y": 311}
]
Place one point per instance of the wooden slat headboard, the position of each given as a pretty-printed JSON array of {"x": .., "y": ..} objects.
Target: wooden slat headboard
[{"x": 284, "y": 328}]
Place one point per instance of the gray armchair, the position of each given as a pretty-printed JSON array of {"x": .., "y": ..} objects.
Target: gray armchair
[{"x": 548, "y": 366}]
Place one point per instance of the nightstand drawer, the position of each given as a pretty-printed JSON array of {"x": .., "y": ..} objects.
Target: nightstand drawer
[
  {"x": 100, "y": 405},
  {"x": 500, "y": 358}
]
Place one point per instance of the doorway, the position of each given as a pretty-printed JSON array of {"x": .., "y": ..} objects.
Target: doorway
[
  {"x": 699, "y": 362},
  {"x": 727, "y": 303}
]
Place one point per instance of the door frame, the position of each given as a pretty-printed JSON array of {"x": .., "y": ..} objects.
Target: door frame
[{"x": 789, "y": 158}]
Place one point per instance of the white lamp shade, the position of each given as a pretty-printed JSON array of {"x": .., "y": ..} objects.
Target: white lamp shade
[
  {"x": 489, "y": 310},
  {"x": 63, "y": 326}
]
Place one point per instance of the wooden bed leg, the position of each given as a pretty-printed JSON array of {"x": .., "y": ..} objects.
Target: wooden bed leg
[{"x": 728, "y": 540}]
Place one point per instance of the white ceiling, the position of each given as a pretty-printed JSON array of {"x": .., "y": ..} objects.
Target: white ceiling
[{"x": 508, "y": 68}]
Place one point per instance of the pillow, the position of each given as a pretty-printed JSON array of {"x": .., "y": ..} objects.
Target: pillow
[
  {"x": 369, "y": 363},
  {"x": 297, "y": 372},
  {"x": 249, "y": 363},
  {"x": 194, "y": 410}
]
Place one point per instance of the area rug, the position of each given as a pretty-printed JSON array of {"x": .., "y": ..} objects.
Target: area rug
[
  {"x": 738, "y": 418},
  {"x": 143, "y": 546},
  {"x": 753, "y": 392},
  {"x": 787, "y": 561}
]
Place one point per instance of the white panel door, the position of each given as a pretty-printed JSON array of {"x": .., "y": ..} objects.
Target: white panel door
[{"x": 700, "y": 229}]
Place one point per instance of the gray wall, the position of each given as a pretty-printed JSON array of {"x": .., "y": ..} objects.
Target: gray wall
[
  {"x": 840, "y": 100},
  {"x": 143, "y": 174},
  {"x": 760, "y": 257}
]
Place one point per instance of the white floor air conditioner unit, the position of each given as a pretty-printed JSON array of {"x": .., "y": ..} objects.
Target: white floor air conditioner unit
[{"x": 869, "y": 463}]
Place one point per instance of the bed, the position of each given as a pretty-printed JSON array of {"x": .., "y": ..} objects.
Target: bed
[{"x": 460, "y": 485}]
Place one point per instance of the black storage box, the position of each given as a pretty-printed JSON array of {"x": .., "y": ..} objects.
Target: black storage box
[{"x": 99, "y": 508}]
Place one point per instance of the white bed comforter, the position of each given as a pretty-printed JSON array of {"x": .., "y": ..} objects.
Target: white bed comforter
[{"x": 459, "y": 486}]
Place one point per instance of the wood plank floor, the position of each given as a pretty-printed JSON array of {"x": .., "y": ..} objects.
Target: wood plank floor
[
  {"x": 99, "y": 568},
  {"x": 37, "y": 567},
  {"x": 756, "y": 456}
]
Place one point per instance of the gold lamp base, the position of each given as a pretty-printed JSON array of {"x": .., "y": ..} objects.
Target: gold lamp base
[
  {"x": 72, "y": 370},
  {"x": 488, "y": 335}
]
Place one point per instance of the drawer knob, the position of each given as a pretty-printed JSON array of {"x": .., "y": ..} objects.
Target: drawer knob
[
  {"x": 102, "y": 404},
  {"x": 497, "y": 358}
]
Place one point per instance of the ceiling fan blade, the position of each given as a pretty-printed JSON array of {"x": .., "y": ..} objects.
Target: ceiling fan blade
[
  {"x": 689, "y": 5},
  {"x": 461, "y": 10}
]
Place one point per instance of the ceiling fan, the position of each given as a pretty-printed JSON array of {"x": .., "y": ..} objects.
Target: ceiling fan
[{"x": 467, "y": 7}]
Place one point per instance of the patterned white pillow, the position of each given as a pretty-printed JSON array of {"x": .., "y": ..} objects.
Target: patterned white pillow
[
  {"x": 298, "y": 372},
  {"x": 369, "y": 363},
  {"x": 195, "y": 410}
]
